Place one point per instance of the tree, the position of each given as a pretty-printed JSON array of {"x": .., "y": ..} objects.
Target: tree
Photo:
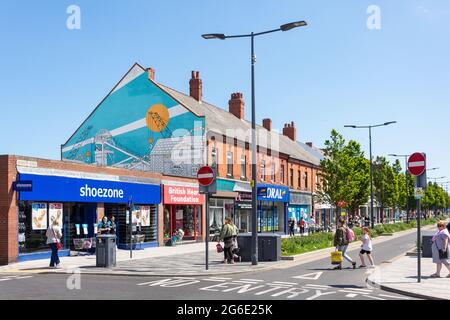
[
  {"x": 385, "y": 184},
  {"x": 345, "y": 174}
]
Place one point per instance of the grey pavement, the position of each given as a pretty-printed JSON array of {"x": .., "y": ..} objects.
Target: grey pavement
[{"x": 401, "y": 277}]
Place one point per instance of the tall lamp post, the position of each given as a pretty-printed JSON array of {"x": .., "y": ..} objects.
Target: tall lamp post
[
  {"x": 406, "y": 156},
  {"x": 284, "y": 27},
  {"x": 371, "y": 162}
]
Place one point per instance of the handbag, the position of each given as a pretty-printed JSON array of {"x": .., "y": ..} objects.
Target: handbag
[
  {"x": 219, "y": 248},
  {"x": 59, "y": 245},
  {"x": 443, "y": 255}
]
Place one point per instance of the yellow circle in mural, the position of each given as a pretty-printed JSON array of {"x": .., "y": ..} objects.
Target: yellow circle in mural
[
  {"x": 150, "y": 141},
  {"x": 88, "y": 154},
  {"x": 157, "y": 117}
]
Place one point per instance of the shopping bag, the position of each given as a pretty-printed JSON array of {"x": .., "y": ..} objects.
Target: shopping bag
[
  {"x": 219, "y": 248},
  {"x": 336, "y": 257}
]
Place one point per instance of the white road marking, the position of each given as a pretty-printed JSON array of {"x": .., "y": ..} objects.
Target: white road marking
[
  {"x": 288, "y": 283},
  {"x": 375, "y": 298},
  {"x": 310, "y": 276},
  {"x": 354, "y": 292},
  {"x": 351, "y": 295},
  {"x": 388, "y": 296},
  {"x": 254, "y": 280},
  {"x": 318, "y": 286}
]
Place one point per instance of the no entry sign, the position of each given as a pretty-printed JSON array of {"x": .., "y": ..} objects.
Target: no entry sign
[
  {"x": 206, "y": 176},
  {"x": 417, "y": 164}
]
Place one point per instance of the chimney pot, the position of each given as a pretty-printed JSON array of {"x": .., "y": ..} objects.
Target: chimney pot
[
  {"x": 290, "y": 131},
  {"x": 236, "y": 105},
  {"x": 267, "y": 123},
  {"x": 195, "y": 86},
  {"x": 151, "y": 74},
  {"x": 309, "y": 144}
]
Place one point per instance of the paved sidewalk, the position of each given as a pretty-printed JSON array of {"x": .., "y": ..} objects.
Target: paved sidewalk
[
  {"x": 400, "y": 276},
  {"x": 181, "y": 260}
]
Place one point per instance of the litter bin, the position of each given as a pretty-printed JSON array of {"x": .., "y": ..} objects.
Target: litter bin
[
  {"x": 426, "y": 246},
  {"x": 106, "y": 250},
  {"x": 269, "y": 247}
]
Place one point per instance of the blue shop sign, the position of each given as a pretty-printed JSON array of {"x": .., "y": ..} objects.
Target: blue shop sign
[
  {"x": 64, "y": 189},
  {"x": 23, "y": 185},
  {"x": 273, "y": 193}
]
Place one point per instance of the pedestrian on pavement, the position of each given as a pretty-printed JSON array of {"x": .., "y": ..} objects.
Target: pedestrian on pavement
[
  {"x": 441, "y": 250},
  {"x": 112, "y": 225},
  {"x": 301, "y": 225},
  {"x": 226, "y": 235},
  {"x": 341, "y": 242},
  {"x": 291, "y": 225},
  {"x": 54, "y": 236},
  {"x": 312, "y": 224},
  {"x": 366, "y": 248},
  {"x": 104, "y": 226}
]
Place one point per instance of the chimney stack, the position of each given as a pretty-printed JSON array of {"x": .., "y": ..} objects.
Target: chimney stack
[
  {"x": 290, "y": 131},
  {"x": 267, "y": 123},
  {"x": 195, "y": 86},
  {"x": 151, "y": 74},
  {"x": 236, "y": 105}
]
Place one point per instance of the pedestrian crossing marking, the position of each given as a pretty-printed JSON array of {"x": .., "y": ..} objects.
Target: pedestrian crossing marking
[{"x": 310, "y": 276}]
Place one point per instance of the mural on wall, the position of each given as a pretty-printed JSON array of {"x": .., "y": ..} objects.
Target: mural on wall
[{"x": 139, "y": 126}]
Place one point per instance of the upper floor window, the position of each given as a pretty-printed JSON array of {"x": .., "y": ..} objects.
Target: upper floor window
[
  {"x": 263, "y": 169},
  {"x": 291, "y": 177},
  {"x": 306, "y": 180},
  {"x": 230, "y": 163},
  {"x": 243, "y": 166},
  {"x": 282, "y": 174},
  {"x": 272, "y": 171},
  {"x": 299, "y": 179}
]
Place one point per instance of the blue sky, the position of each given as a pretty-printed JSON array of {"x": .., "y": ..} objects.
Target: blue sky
[{"x": 334, "y": 72}]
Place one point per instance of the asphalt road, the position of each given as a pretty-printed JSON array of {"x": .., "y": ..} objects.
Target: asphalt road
[{"x": 311, "y": 281}]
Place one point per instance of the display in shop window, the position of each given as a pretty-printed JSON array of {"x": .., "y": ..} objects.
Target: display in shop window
[
  {"x": 39, "y": 216},
  {"x": 56, "y": 213}
]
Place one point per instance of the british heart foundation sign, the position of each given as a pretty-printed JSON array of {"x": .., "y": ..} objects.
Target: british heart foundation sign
[{"x": 182, "y": 195}]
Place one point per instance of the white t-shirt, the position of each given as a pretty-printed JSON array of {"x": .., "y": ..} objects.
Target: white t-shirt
[{"x": 367, "y": 243}]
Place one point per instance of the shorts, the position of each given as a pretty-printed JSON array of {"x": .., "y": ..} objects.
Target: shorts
[{"x": 364, "y": 252}]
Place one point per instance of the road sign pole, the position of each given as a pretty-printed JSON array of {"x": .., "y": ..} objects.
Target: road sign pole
[
  {"x": 419, "y": 246},
  {"x": 207, "y": 231}
]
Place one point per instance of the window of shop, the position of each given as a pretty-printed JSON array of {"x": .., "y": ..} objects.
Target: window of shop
[
  {"x": 268, "y": 219},
  {"x": 229, "y": 163},
  {"x": 218, "y": 210},
  {"x": 184, "y": 217}
]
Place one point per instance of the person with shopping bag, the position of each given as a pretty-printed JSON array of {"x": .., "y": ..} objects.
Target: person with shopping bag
[
  {"x": 54, "y": 236},
  {"x": 341, "y": 242},
  {"x": 227, "y": 236}
]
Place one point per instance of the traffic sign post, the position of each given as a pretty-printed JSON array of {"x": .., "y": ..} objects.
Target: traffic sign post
[
  {"x": 417, "y": 164},
  {"x": 206, "y": 177}
]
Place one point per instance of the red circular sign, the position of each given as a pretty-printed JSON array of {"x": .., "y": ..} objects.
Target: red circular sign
[
  {"x": 206, "y": 176},
  {"x": 417, "y": 164}
]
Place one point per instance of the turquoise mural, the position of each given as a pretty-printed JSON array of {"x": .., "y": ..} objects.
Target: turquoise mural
[{"x": 139, "y": 126}]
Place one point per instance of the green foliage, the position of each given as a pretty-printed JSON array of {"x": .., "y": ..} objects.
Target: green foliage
[{"x": 385, "y": 183}]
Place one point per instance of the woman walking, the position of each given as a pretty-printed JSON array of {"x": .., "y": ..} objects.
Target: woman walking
[
  {"x": 227, "y": 236},
  {"x": 291, "y": 225},
  {"x": 341, "y": 243},
  {"x": 53, "y": 239},
  {"x": 441, "y": 250},
  {"x": 366, "y": 248}
]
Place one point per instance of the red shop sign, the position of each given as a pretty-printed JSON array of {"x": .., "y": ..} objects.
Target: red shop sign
[{"x": 182, "y": 195}]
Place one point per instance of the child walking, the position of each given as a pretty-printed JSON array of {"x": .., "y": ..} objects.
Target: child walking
[{"x": 366, "y": 248}]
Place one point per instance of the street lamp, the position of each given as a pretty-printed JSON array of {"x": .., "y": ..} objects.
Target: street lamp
[
  {"x": 406, "y": 156},
  {"x": 371, "y": 163},
  {"x": 221, "y": 36}
]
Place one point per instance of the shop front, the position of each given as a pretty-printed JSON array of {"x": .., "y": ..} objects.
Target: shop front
[
  {"x": 183, "y": 209},
  {"x": 300, "y": 206},
  {"x": 243, "y": 212},
  {"x": 272, "y": 208},
  {"x": 78, "y": 204}
]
